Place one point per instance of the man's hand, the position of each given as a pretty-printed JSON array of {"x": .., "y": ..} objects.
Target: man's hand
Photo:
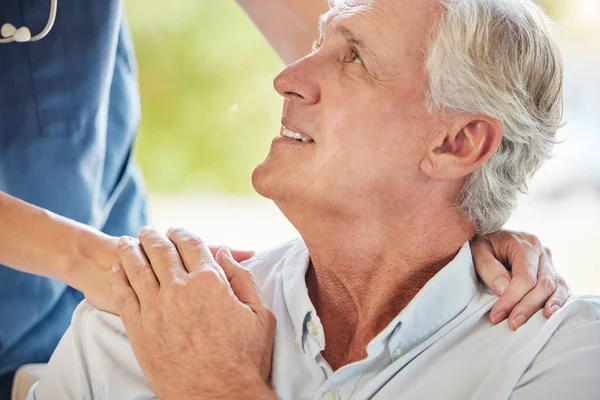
[
  {"x": 533, "y": 283},
  {"x": 198, "y": 326},
  {"x": 95, "y": 281}
]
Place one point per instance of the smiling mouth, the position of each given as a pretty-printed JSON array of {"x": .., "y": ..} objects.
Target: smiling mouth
[{"x": 295, "y": 135}]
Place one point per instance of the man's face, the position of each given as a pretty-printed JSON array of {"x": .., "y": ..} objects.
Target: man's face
[{"x": 360, "y": 97}]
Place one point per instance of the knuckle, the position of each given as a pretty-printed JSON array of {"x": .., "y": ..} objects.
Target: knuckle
[
  {"x": 145, "y": 232},
  {"x": 177, "y": 232},
  {"x": 192, "y": 241},
  {"x": 125, "y": 244},
  {"x": 523, "y": 239},
  {"x": 160, "y": 248},
  {"x": 529, "y": 281},
  {"x": 561, "y": 283},
  {"x": 248, "y": 274},
  {"x": 175, "y": 289},
  {"x": 209, "y": 277},
  {"x": 141, "y": 270},
  {"x": 515, "y": 235},
  {"x": 558, "y": 278},
  {"x": 547, "y": 283},
  {"x": 533, "y": 240}
]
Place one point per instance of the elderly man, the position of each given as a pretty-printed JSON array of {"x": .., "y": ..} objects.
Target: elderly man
[{"x": 409, "y": 129}]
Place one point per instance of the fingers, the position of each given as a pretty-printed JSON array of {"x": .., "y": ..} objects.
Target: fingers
[
  {"x": 240, "y": 279},
  {"x": 536, "y": 298},
  {"x": 129, "y": 303},
  {"x": 558, "y": 298},
  {"x": 493, "y": 273},
  {"x": 517, "y": 289},
  {"x": 523, "y": 252},
  {"x": 163, "y": 256},
  {"x": 139, "y": 272},
  {"x": 192, "y": 250},
  {"x": 238, "y": 255}
]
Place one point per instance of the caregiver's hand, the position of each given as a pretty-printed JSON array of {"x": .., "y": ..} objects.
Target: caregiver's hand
[
  {"x": 198, "y": 327},
  {"x": 533, "y": 284},
  {"x": 95, "y": 282}
]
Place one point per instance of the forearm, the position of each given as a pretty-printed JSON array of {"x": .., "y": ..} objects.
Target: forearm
[
  {"x": 37, "y": 241},
  {"x": 290, "y": 26}
]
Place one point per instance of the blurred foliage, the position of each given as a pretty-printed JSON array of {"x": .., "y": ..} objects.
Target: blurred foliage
[
  {"x": 554, "y": 7},
  {"x": 209, "y": 110}
]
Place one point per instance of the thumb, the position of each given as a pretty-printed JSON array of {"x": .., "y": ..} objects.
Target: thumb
[
  {"x": 242, "y": 281},
  {"x": 238, "y": 255}
]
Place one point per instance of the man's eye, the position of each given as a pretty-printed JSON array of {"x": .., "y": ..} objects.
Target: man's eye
[{"x": 355, "y": 59}]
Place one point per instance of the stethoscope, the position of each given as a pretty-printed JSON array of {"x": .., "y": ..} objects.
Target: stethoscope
[{"x": 23, "y": 34}]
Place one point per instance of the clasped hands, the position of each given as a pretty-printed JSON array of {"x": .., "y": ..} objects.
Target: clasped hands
[
  {"x": 197, "y": 323},
  {"x": 201, "y": 330}
]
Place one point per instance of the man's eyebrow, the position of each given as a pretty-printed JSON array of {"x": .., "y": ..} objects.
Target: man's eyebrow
[
  {"x": 345, "y": 31},
  {"x": 322, "y": 20},
  {"x": 349, "y": 36}
]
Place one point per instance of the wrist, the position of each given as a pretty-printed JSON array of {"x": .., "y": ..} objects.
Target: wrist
[
  {"x": 94, "y": 252},
  {"x": 230, "y": 386}
]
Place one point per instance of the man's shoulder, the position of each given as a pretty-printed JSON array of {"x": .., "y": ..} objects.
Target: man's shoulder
[
  {"x": 272, "y": 260},
  {"x": 566, "y": 354},
  {"x": 579, "y": 311},
  {"x": 94, "y": 350}
]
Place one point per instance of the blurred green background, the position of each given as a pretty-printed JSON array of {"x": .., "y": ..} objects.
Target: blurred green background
[{"x": 209, "y": 110}]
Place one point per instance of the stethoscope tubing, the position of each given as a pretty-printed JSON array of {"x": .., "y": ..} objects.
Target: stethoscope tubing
[{"x": 45, "y": 31}]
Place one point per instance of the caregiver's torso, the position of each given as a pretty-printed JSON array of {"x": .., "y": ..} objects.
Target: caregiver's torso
[{"x": 69, "y": 113}]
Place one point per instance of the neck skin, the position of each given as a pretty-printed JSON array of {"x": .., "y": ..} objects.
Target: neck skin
[{"x": 366, "y": 267}]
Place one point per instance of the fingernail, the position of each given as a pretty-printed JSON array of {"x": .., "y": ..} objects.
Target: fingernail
[
  {"x": 227, "y": 253},
  {"x": 500, "y": 285},
  {"x": 499, "y": 317},
  {"x": 116, "y": 268},
  {"x": 554, "y": 309},
  {"x": 123, "y": 240},
  {"x": 518, "y": 321}
]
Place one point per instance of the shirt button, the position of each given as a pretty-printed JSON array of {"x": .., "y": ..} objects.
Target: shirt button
[
  {"x": 397, "y": 354},
  {"x": 331, "y": 396},
  {"x": 312, "y": 329},
  {"x": 298, "y": 342}
]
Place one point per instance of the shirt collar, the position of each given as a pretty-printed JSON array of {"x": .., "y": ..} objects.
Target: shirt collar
[
  {"x": 441, "y": 299},
  {"x": 295, "y": 293}
]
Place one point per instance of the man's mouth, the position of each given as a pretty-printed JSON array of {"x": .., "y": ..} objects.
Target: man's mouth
[{"x": 295, "y": 135}]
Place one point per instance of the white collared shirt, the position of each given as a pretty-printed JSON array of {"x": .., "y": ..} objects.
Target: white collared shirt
[{"x": 441, "y": 346}]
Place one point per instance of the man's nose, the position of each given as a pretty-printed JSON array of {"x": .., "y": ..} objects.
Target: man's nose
[{"x": 297, "y": 82}]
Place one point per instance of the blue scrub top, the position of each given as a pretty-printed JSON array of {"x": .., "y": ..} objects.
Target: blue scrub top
[{"x": 69, "y": 113}]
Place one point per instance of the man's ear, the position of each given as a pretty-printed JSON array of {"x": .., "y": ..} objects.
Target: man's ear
[{"x": 462, "y": 148}]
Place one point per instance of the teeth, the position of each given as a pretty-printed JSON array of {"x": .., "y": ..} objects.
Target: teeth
[{"x": 295, "y": 135}]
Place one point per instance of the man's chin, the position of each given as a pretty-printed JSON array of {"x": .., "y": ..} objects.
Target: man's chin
[{"x": 261, "y": 182}]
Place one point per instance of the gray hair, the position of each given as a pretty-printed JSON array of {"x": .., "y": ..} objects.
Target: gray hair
[{"x": 499, "y": 58}]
